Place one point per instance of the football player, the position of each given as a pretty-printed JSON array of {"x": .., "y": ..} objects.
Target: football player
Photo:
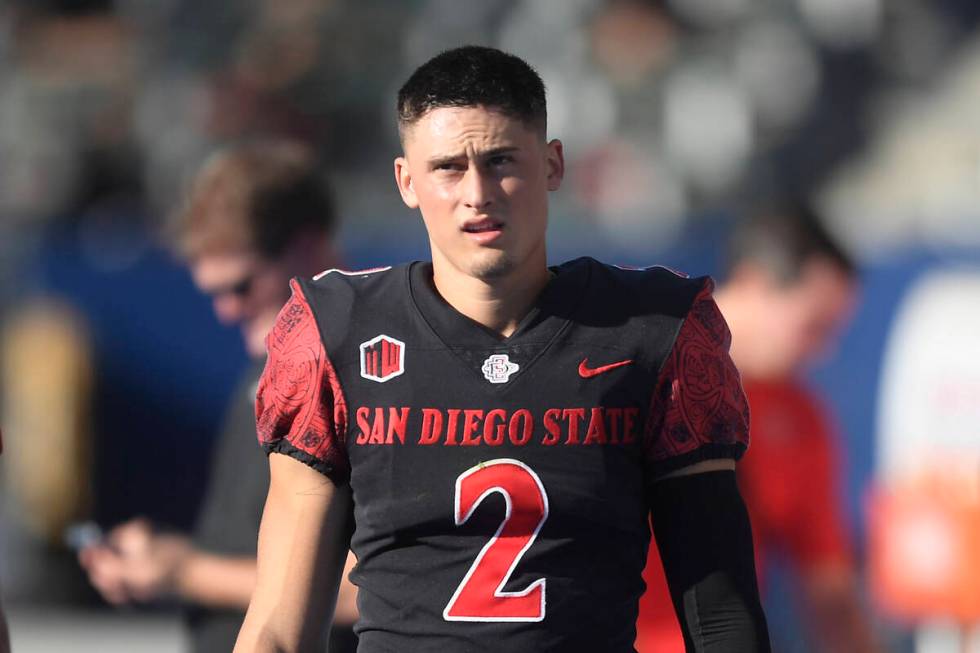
[{"x": 490, "y": 434}]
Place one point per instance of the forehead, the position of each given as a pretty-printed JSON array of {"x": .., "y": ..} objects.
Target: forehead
[{"x": 456, "y": 128}]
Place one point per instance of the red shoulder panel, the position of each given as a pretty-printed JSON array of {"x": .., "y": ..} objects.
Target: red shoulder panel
[
  {"x": 299, "y": 400},
  {"x": 698, "y": 400}
]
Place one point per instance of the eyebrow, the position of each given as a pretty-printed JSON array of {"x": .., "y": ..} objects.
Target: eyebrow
[{"x": 437, "y": 161}]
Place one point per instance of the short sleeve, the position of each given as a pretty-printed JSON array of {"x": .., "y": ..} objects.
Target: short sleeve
[
  {"x": 698, "y": 409},
  {"x": 299, "y": 406}
]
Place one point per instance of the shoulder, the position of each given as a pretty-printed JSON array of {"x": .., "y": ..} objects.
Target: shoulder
[
  {"x": 335, "y": 283},
  {"x": 339, "y": 299},
  {"x": 652, "y": 290}
]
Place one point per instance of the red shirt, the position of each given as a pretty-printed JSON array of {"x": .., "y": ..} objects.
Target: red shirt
[{"x": 789, "y": 478}]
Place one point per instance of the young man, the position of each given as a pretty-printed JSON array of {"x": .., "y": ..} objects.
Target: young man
[
  {"x": 495, "y": 432},
  {"x": 257, "y": 214},
  {"x": 789, "y": 290}
]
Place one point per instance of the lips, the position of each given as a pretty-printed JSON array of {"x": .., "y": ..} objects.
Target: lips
[{"x": 482, "y": 226}]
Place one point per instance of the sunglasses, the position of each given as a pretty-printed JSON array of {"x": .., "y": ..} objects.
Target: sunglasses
[{"x": 240, "y": 289}]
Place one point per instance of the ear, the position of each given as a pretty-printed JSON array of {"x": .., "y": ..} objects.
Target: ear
[
  {"x": 403, "y": 179},
  {"x": 556, "y": 164}
]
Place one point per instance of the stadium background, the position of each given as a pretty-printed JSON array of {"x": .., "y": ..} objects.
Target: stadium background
[{"x": 675, "y": 116}]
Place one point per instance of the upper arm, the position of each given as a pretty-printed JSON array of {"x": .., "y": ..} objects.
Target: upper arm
[
  {"x": 301, "y": 420},
  {"x": 303, "y": 543}
]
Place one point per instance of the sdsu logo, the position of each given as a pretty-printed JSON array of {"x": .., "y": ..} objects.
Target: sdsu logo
[
  {"x": 382, "y": 358},
  {"x": 498, "y": 368}
]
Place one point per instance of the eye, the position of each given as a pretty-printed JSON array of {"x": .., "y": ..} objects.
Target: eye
[
  {"x": 448, "y": 166},
  {"x": 501, "y": 159}
]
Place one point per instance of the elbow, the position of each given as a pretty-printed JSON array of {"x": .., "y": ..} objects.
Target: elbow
[{"x": 719, "y": 615}]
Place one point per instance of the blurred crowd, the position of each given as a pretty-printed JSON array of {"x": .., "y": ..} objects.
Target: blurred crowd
[
  {"x": 669, "y": 109},
  {"x": 675, "y": 115}
]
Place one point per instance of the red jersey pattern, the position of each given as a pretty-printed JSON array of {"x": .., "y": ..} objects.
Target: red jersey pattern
[
  {"x": 698, "y": 402},
  {"x": 789, "y": 482},
  {"x": 299, "y": 405}
]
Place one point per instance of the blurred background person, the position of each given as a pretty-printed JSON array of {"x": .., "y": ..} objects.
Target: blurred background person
[
  {"x": 788, "y": 292},
  {"x": 257, "y": 214}
]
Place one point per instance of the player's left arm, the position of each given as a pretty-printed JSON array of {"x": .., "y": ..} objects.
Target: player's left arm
[
  {"x": 700, "y": 521},
  {"x": 705, "y": 543}
]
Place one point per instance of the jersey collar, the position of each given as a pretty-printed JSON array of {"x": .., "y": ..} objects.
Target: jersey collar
[{"x": 553, "y": 309}]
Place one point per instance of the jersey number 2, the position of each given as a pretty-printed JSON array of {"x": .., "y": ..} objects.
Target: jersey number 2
[{"x": 481, "y": 597}]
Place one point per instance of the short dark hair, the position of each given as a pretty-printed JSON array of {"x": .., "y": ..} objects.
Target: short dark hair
[
  {"x": 783, "y": 237},
  {"x": 257, "y": 195},
  {"x": 472, "y": 76}
]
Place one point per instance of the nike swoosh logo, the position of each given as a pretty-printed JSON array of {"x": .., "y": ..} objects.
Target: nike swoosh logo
[{"x": 587, "y": 372}]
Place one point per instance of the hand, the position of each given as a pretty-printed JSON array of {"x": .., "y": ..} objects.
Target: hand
[{"x": 135, "y": 563}]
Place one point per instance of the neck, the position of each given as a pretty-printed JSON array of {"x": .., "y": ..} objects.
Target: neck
[{"x": 499, "y": 304}]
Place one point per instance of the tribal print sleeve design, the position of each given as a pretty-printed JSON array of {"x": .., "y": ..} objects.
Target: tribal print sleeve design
[
  {"x": 300, "y": 409},
  {"x": 698, "y": 409}
]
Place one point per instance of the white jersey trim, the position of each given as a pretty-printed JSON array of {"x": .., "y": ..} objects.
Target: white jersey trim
[{"x": 351, "y": 273}]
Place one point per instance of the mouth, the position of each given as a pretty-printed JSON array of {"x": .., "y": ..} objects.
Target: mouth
[{"x": 484, "y": 225}]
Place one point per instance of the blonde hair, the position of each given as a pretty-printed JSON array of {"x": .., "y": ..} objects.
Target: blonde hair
[{"x": 256, "y": 195}]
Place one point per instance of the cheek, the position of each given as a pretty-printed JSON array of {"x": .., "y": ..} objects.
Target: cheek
[
  {"x": 434, "y": 191},
  {"x": 228, "y": 309},
  {"x": 527, "y": 199},
  {"x": 436, "y": 206},
  {"x": 810, "y": 333},
  {"x": 787, "y": 329},
  {"x": 518, "y": 189},
  {"x": 269, "y": 294}
]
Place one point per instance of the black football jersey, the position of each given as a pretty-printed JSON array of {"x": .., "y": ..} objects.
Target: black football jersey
[{"x": 499, "y": 484}]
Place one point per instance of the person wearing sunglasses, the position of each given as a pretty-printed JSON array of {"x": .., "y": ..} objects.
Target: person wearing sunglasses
[{"x": 256, "y": 214}]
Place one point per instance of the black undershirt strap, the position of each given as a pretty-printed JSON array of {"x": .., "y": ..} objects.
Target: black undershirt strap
[{"x": 705, "y": 542}]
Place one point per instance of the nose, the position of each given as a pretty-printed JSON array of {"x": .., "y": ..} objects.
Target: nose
[{"x": 478, "y": 188}]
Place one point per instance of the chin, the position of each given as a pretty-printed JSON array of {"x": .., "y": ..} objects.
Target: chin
[
  {"x": 255, "y": 331},
  {"x": 492, "y": 267},
  {"x": 254, "y": 341},
  {"x": 255, "y": 350}
]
